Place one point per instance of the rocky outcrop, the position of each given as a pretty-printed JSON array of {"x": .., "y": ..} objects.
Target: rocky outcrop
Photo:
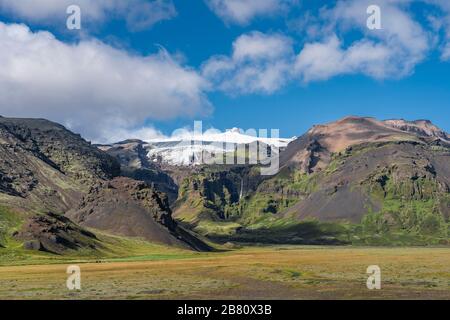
[
  {"x": 423, "y": 128},
  {"x": 359, "y": 180},
  {"x": 134, "y": 162},
  {"x": 131, "y": 208},
  {"x": 56, "y": 234},
  {"x": 211, "y": 193},
  {"x": 58, "y": 147},
  {"x": 48, "y": 166}
]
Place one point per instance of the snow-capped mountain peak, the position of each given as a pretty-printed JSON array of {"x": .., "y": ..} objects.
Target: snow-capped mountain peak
[{"x": 191, "y": 148}]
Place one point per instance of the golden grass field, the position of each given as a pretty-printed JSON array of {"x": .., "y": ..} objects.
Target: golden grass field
[{"x": 287, "y": 272}]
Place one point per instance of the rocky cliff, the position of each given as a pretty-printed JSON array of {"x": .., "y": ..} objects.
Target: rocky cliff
[{"x": 47, "y": 172}]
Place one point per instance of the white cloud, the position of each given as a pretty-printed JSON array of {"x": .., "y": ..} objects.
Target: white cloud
[
  {"x": 398, "y": 24},
  {"x": 264, "y": 63},
  {"x": 260, "y": 46},
  {"x": 392, "y": 52},
  {"x": 259, "y": 64},
  {"x": 91, "y": 87},
  {"x": 146, "y": 133},
  {"x": 243, "y": 11},
  {"x": 323, "y": 60},
  {"x": 139, "y": 14}
]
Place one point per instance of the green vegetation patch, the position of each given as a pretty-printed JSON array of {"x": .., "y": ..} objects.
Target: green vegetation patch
[{"x": 10, "y": 222}]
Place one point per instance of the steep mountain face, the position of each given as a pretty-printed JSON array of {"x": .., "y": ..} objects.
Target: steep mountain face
[
  {"x": 365, "y": 178},
  {"x": 132, "y": 208},
  {"x": 48, "y": 165},
  {"x": 47, "y": 171},
  {"x": 423, "y": 128},
  {"x": 134, "y": 162},
  {"x": 165, "y": 163},
  {"x": 378, "y": 175},
  {"x": 383, "y": 175},
  {"x": 214, "y": 194},
  {"x": 312, "y": 151}
]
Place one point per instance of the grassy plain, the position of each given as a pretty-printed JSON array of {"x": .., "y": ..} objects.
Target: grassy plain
[{"x": 271, "y": 272}]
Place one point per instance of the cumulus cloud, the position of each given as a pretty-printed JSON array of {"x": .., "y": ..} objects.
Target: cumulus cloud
[
  {"x": 91, "y": 87},
  {"x": 323, "y": 60},
  {"x": 259, "y": 63},
  {"x": 264, "y": 63},
  {"x": 139, "y": 14},
  {"x": 243, "y": 11},
  {"x": 392, "y": 52},
  {"x": 398, "y": 24}
]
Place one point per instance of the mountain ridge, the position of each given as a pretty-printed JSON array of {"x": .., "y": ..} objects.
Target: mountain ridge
[
  {"x": 355, "y": 180},
  {"x": 354, "y": 170},
  {"x": 47, "y": 171}
]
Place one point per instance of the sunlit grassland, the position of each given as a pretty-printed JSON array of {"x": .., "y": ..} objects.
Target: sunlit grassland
[
  {"x": 277, "y": 272},
  {"x": 113, "y": 248},
  {"x": 107, "y": 247}
]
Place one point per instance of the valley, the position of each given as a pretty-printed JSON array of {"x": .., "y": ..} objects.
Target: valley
[{"x": 269, "y": 272}]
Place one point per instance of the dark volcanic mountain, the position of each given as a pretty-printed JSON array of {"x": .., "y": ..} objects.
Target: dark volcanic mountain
[
  {"x": 391, "y": 176},
  {"x": 132, "y": 208},
  {"x": 313, "y": 150},
  {"x": 132, "y": 156},
  {"x": 354, "y": 158},
  {"x": 44, "y": 168}
]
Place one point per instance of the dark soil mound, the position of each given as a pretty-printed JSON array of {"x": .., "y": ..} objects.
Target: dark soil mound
[
  {"x": 55, "y": 233},
  {"x": 132, "y": 208}
]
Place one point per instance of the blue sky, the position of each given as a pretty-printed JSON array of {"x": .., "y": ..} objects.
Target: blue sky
[{"x": 269, "y": 64}]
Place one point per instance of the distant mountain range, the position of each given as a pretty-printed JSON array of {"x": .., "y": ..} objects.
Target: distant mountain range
[{"x": 357, "y": 180}]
